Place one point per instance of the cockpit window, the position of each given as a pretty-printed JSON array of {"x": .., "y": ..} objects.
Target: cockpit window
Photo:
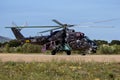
[{"x": 87, "y": 37}]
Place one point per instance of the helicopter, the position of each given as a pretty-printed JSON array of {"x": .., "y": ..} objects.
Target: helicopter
[{"x": 61, "y": 38}]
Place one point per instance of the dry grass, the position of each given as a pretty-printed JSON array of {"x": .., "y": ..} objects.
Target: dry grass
[{"x": 44, "y": 58}]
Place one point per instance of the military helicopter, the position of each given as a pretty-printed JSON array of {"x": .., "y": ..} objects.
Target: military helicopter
[{"x": 60, "y": 40}]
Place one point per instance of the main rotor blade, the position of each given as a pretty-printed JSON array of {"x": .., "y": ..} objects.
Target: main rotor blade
[
  {"x": 50, "y": 30},
  {"x": 105, "y": 20},
  {"x": 34, "y": 27},
  {"x": 96, "y": 26},
  {"x": 58, "y": 22},
  {"x": 100, "y": 21},
  {"x": 71, "y": 25}
]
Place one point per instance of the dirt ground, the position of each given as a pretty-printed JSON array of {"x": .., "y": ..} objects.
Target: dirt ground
[{"x": 43, "y": 58}]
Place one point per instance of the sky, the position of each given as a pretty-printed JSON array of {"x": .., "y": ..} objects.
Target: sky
[{"x": 82, "y": 12}]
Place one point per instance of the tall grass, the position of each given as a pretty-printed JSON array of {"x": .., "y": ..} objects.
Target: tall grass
[{"x": 59, "y": 71}]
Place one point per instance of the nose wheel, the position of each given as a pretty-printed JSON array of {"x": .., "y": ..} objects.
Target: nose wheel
[{"x": 68, "y": 52}]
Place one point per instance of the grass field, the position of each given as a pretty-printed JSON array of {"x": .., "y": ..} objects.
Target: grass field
[{"x": 62, "y": 70}]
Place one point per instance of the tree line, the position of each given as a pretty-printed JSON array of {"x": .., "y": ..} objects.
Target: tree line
[
  {"x": 15, "y": 43},
  {"x": 14, "y": 46}
]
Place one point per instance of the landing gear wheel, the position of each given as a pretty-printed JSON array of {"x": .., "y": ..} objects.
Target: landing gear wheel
[
  {"x": 83, "y": 54},
  {"x": 94, "y": 51},
  {"x": 68, "y": 52},
  {"x": 53, "y": 52}
]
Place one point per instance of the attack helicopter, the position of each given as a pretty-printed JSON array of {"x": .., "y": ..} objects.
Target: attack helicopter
[{"x": 61, "y": 38}]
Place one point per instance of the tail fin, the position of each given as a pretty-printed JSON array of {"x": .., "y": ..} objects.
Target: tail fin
[{"x": 17, "y": 33}]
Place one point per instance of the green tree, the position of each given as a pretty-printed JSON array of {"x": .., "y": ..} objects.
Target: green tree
[
  {"x": 101, "y": 42},
  {"x": 7, "y": 48},
  {"x": 0, "y": 44},
  {"x": 31, "y": 48},
  {"x": 113, "y": 42},
  {"x": 14, "y": 43}
]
